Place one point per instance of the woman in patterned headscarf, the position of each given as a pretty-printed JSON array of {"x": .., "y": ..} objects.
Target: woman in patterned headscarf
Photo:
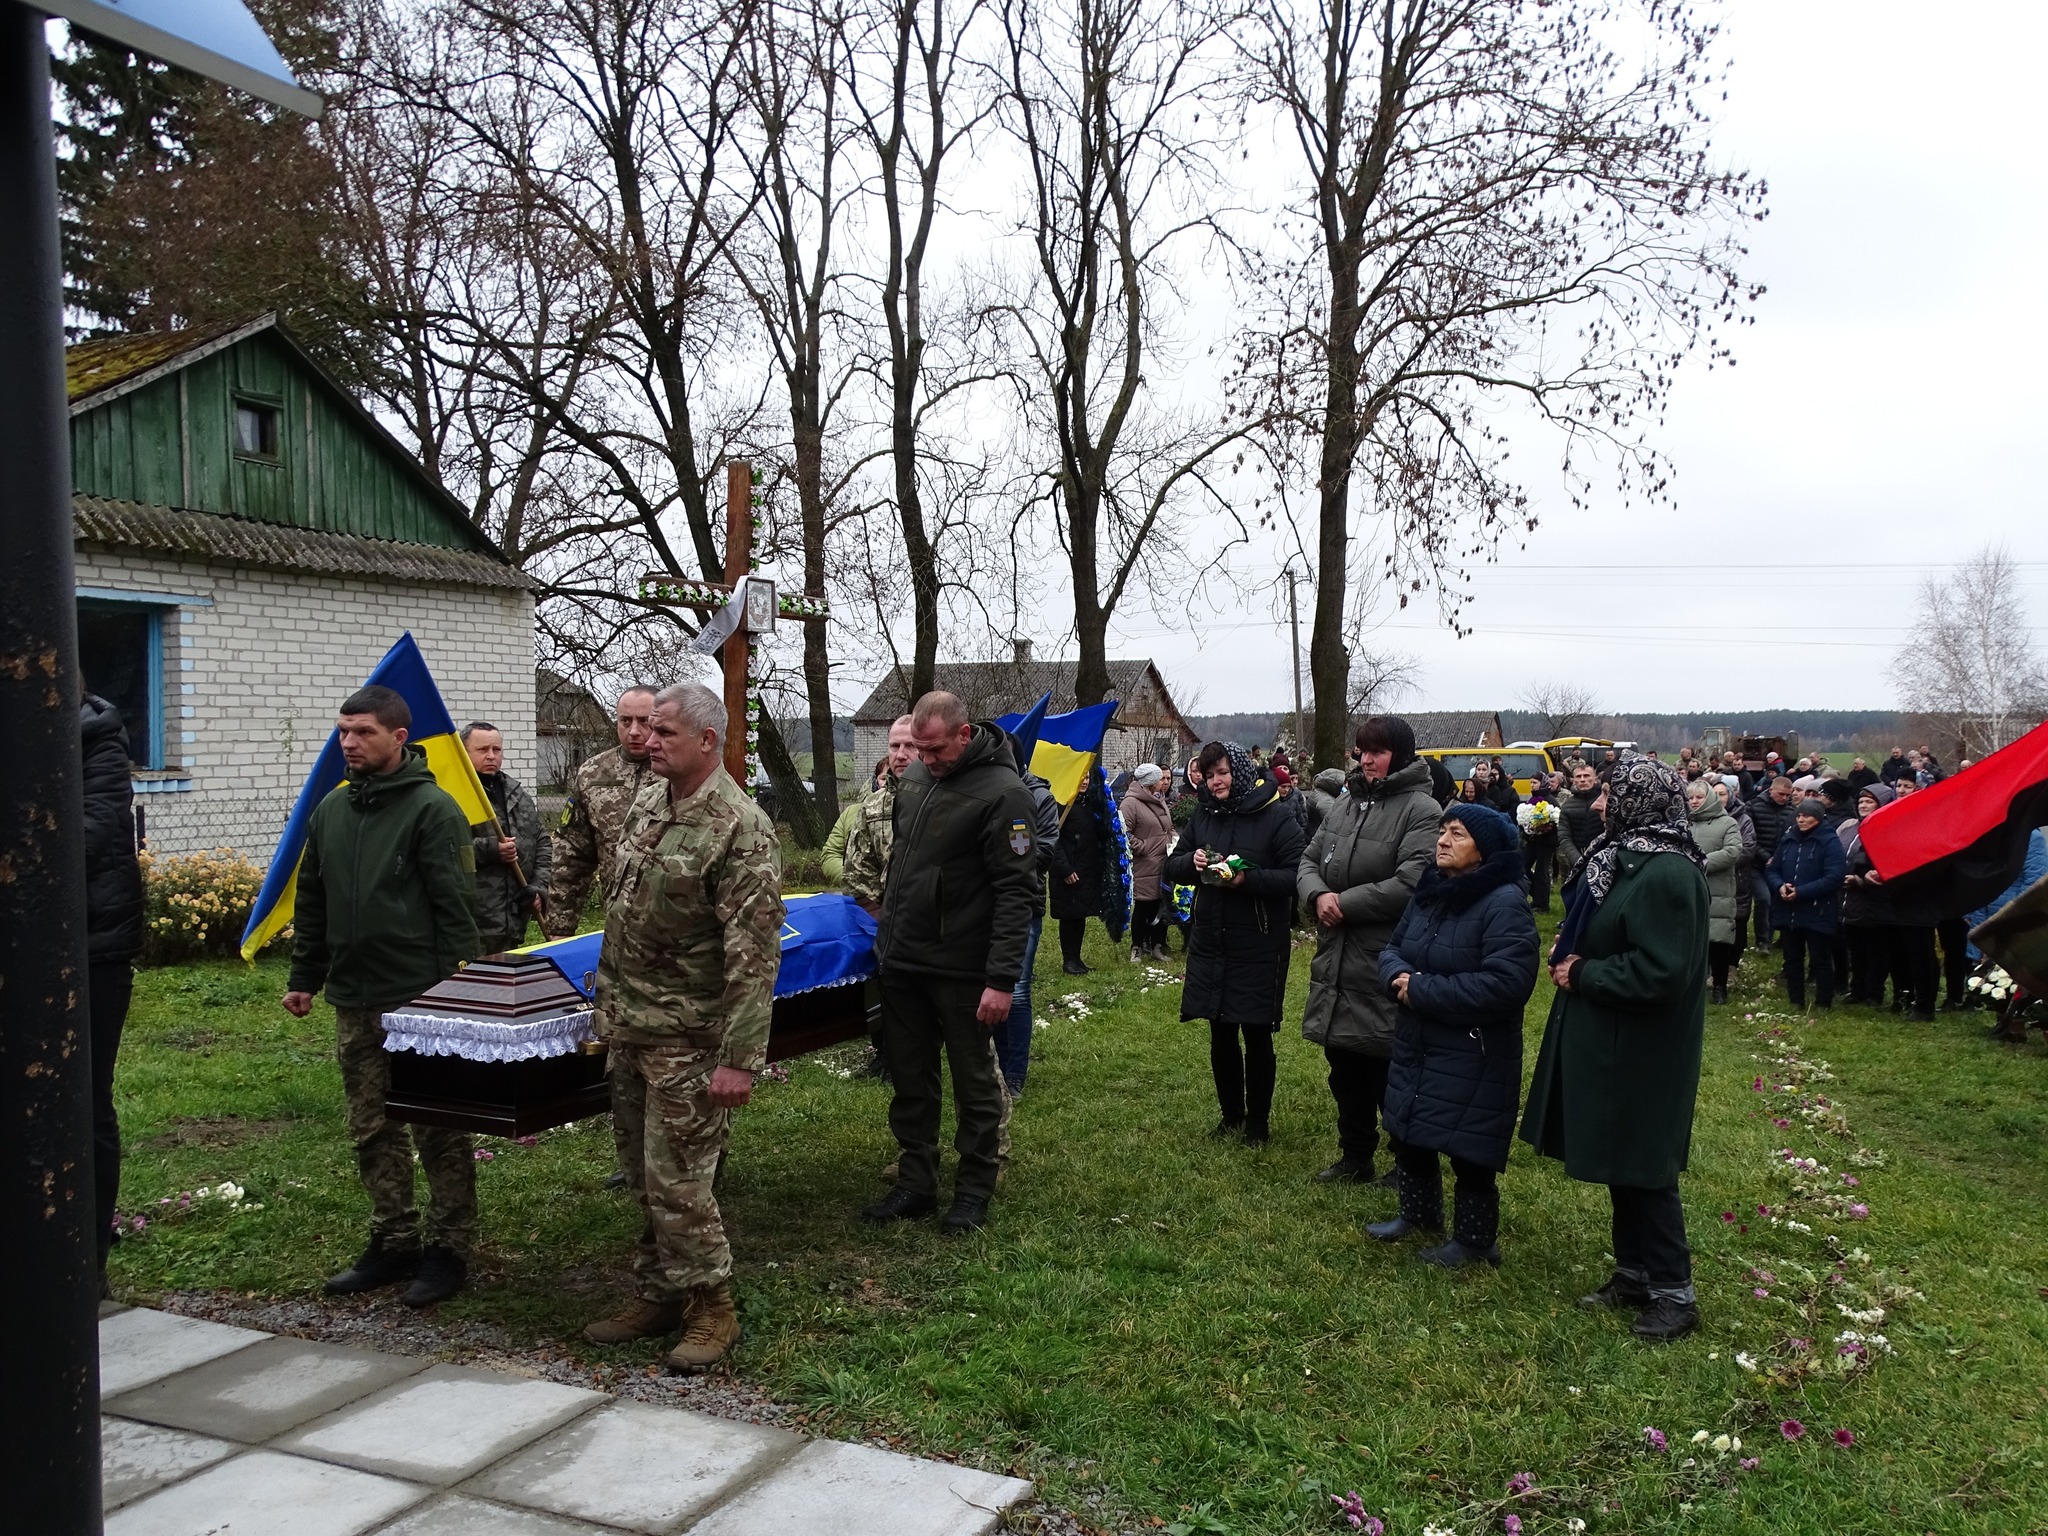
[
  {"x": 1238, "y": 940},
  {"x": 1619, "y": 1068}
]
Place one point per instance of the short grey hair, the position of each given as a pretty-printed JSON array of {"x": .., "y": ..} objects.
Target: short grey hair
[
  {"x": 701, "y": 709},
  {"x": 943, "y": 707}
]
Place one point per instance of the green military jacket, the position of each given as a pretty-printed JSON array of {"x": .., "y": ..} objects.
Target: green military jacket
[
  {"x": 386, "y": 890},
  {"x": 599, "y": 795},
  {"x": 868, "y": 843},
  {"x": 500, "y": 892},
  {"x": 693, "y": 925}
]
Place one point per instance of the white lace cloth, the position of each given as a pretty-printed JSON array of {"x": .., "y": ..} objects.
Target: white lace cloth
[{"x": 434, "y": 1034}]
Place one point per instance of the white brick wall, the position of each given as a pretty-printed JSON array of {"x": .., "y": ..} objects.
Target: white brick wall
[{"x": 251, "y": 682}]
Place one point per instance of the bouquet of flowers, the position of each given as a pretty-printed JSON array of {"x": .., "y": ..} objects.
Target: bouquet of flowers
[
  {"x": 1536, "y": 818},
  {"x": 1222, "y": 868},
  {"x": 1993, "y": 984}
]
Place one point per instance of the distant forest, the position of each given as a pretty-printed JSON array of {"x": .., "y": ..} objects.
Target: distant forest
[{"x": 1823, "y": 730}]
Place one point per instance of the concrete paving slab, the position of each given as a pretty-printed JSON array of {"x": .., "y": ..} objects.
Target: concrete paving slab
[
  {"x": 139, "y": 1346},
  {"x": 445, "y": 1424},
  {"x": 638, "y": 1466},
  {"x": 455, "y": 1514},
  {"x": 856, "y": 1490},
  {"x": 262, "y": 1493},
  {"x": 260, "y": 1392},
  {"x": 140, "y": 1458}
]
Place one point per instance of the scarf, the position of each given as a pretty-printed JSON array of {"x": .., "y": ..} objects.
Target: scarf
[
  {"x": 1646, "y": 813},
  {"x": 1244, "y": 780}
]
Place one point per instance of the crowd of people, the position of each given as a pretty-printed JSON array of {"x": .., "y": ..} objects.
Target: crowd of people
[{"x": 1421, "y": 895}]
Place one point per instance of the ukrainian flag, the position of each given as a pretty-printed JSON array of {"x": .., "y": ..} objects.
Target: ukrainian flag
[
  {"x": 1067, "y": 748},
  {"x": 403, "y": 670}
]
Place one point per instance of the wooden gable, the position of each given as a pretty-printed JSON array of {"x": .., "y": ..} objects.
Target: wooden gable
[{"x": 242, "y": 423}]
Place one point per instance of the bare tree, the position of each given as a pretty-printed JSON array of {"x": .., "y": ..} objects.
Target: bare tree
[
  {"x": 1104, "y": 99},
  {"x": 1470, "y": 172},
  {"x": 1563, "y": 706},
  {"x": 1969, "y": 656},
  {"x": 797, "y": 64}
]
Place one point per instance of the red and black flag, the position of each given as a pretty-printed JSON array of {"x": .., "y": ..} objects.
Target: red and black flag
[{"x": 1956, "y": 845}]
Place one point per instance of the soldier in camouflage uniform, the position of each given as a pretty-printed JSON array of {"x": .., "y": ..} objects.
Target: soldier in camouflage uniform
[
  {"x": 600, "y": 793},
  {"x": 685, "y": 989},
  {"x": 867, "y": 845}
]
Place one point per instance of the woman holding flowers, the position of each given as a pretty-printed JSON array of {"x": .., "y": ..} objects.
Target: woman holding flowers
[{"x": 1619, "y": 1068}]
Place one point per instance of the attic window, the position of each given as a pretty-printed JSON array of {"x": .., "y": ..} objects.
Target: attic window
[{"x": 255, "y": 430}]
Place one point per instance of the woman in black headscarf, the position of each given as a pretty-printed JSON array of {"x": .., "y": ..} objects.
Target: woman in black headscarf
[
  {"x": 1619, "y": 1068},
  {"x": 1239, "y": 851}
]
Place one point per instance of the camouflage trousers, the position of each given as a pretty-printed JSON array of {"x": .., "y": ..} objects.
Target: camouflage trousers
[
  {"x": 385, "y": 1148},
  {"x": 629, "y": 1118},
  {"x": 682, "y": 1245}
]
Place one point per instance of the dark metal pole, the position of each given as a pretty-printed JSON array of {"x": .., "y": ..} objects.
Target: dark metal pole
[{"x": 49, "y": 1359}]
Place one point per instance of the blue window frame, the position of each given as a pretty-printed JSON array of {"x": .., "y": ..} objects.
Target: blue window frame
[{"x": 121, "y": 654}]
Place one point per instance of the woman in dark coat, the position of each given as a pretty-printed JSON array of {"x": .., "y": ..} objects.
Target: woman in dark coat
[
  {"x": 1460, "y": 966},
  {"x": 1238, "y": 939},
  {"x": 1619, "y": 1068},
  {"x": 1355, "y": 880},
  {"x": 1076, "y": 883},
  {"x": 113, "y": 937}
]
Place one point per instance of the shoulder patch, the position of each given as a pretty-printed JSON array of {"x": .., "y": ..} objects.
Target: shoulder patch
[{"x": 1020, "y": 838}]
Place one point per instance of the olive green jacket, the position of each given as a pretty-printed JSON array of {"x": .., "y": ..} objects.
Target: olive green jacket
[
  {"x": 1619, "y": 1068},
  {"x": 386, "y": 902}
]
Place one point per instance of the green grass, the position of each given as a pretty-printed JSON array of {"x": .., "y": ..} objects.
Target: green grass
[{"x": 1158, "y": 1327}]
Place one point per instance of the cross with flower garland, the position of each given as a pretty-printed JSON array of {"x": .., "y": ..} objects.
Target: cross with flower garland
[{"x": 745, "y": 607}]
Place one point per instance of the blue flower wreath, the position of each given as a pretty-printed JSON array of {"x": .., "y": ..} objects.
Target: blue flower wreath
[{"x": 1116, "y": 859}]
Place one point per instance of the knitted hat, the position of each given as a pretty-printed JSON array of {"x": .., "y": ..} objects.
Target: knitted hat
[
  {"x": 1815, "y": 808},
  {"x": 1147, "y": 773},
  {"x": 1493, "y": 832}
]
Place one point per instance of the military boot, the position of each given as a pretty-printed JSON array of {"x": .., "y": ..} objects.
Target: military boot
[
  {"x": 377, "y": 1267},
  {"x": 710, "y": 1330},
  {"x": 638, "y": 1319}
]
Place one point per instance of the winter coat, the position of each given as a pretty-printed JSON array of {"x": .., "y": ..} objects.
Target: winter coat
[
  {"x": 1862, "y": 778},
  {"x": 962, "y": 884},
  {"x": 1739, "y": 813},
  {"x": 1078, "y": 853},
  {"x": 1323, "y": 796},
  {"x": 1149, "y": 830},
  {"x": 387, "y": 889},
  {"x": 1812, "y": 863},
  {"x": 833, "y": 856},
  {"x": 1467, "y": 944},
  {"x": 1720, "y": 838},
  {"x": 1894, "y": 769},
  {"x": 1619, "y": 1068},
  {"x": 1772, "y": 822},
  {"x": 503, "y": 900},
  {"x": 1579, "y": 824},
  {"x": 113, "y": 875},
  {"x": 1369, "y": 853},
  {"x": 1442, "y": 787},
  {"x": 1238, "y": 940}
]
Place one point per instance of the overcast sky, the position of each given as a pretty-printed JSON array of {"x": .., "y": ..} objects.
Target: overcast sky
[{"x": 1885, "y": 415}]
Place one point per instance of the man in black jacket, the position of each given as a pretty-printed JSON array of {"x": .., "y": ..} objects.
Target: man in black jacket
[
  {"x": 1771, "y": 814},
  {"x": 113, "y": 936},
  {"x": 956, "y": 910}
]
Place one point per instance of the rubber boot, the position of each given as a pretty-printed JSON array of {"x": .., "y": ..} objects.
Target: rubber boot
[{"x": 710, "y": 1331}]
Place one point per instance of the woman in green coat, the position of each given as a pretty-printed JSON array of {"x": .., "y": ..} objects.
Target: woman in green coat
[
  {"x": 1719, "y": 836},
  {"x": 1619, "y": 1069}
]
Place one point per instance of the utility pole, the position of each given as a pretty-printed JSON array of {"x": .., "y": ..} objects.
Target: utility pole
[{"x": 1294, "y": 624}]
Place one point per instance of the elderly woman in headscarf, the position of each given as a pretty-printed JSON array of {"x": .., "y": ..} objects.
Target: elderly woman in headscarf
[
  {"x": 1355, "y": 878},
  {"x": 1619, "y": 1068},
  {"x": 1461, "y": 966},
  {"x": 1148, "y": 827},
  {"x": 1239, "y": 851}
]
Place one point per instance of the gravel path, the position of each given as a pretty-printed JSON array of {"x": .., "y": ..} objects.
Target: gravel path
[{"x": 385, "y": 1323}]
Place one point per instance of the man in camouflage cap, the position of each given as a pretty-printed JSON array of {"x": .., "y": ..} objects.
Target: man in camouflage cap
[
  {"x": 600, "y": 793},
  {"x": 685, "y": 987},
  {"x": 867, "y": 845}
]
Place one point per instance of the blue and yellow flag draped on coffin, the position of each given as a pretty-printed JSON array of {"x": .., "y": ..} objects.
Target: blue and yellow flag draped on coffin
[
  {"x": 403, "y": 670},
  {"x": 1067, "y": 745}
]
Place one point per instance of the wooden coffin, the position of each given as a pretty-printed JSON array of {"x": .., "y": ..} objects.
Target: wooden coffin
[{"x": 523, "y": 1098}]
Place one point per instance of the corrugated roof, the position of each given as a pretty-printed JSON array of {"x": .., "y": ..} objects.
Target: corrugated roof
[
  {"x": 990, "y": 688},
  {"x": 91, "y": 366},
  {"x": 1454, "y": 728},
  {"x": 272, "y": 546}
]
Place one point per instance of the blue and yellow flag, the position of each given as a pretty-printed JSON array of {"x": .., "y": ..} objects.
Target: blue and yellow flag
[
  {"x": 1068, "y": 746},
  {"x": 404, "y": 670}
]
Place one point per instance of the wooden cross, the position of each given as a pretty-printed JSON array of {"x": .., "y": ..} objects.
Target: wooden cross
[{"x": 761, "y": 606}]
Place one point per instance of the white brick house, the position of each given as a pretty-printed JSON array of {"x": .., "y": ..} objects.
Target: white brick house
[{"x": 232, "y": 593}]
